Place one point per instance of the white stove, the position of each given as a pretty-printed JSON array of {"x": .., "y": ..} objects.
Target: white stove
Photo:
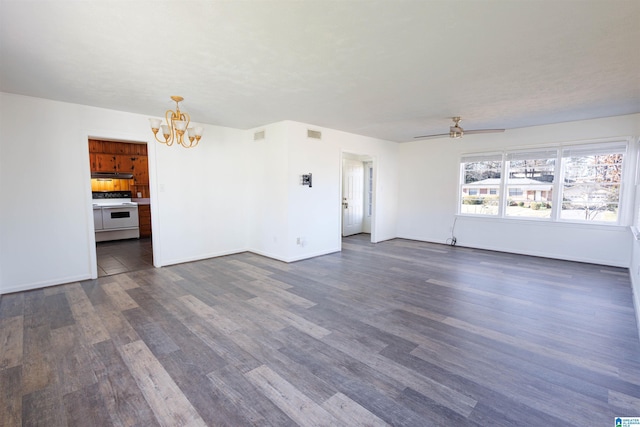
[{"x": 115, "y": 216}]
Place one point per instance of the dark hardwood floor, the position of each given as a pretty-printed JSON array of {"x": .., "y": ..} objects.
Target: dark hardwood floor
[{"x": 398, "y": 333}]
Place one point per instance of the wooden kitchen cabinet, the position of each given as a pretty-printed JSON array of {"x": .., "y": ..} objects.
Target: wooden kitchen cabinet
[
  {"x": 144, "y": 220},
  {"x": 125, "y": 163},
  {"x": 105, "y": 163},
  {"x": 122, "y": 157},
  {"x": 96, "y": 146},
  {"x": 92, "y": 161},
  {"x": 141, "y": 170}
]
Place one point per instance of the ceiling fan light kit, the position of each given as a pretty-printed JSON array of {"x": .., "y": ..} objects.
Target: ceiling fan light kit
[{"x": 457, "y": 132}]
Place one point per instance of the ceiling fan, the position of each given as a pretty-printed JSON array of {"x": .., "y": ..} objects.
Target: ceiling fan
[{"x": 456, "y": 131}]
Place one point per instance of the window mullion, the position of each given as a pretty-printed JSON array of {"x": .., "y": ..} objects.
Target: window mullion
[
  {"x": 503, "y": 188},
  {"x": 558, "y": 181}
]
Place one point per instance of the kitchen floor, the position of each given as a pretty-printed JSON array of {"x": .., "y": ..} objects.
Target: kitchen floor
[{"x": 122, "y": 256}]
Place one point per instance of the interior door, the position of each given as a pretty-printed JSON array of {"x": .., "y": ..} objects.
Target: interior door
[{"x": 352, "y": 197}]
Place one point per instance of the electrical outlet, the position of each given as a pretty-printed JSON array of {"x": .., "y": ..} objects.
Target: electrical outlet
[{"x": 298, "y": 241}]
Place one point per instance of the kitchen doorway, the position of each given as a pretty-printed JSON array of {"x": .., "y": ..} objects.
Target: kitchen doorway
[{"x": 120, "y": 187}]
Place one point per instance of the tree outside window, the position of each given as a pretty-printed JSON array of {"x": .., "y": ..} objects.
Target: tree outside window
[{"x": 591, "y": 190}]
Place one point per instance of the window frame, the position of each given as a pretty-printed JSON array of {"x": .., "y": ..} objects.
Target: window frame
[
  {"x": 591, "y": 149},
  {"x": 475, "y": 158},
  {"x": 627, "y": 149},
  {"x": 537, "y": 153}
]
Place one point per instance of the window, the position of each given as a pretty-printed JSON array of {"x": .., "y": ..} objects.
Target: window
[
  {"x": 570, "y": 183},
  {"x": 530, "y": 179},
  {"x": 481, "y": 174},
  {"x": 591, "y": 187}
]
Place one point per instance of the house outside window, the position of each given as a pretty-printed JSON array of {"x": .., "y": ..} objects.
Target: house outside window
[
  {"x": 530, "y": 178},
  {"x": 480, "y": 190}
]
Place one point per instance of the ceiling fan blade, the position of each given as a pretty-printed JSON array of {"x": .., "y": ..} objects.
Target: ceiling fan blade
[
  {"x": 469, "y": 132},
  {"x": 431, "y": 136}
]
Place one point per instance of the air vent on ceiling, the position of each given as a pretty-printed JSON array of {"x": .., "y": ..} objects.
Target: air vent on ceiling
[
  {"x": 258, "y": 135},
  {"x": 315, "y": 134}
]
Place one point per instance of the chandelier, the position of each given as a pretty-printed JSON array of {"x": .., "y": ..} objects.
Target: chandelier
[{"x": 177, "y": 124}]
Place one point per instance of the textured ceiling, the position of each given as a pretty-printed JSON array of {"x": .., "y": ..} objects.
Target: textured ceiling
[{"x": 387, "y": 69}]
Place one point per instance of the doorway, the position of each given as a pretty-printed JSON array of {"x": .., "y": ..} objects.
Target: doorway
[
  {"x": 122, "y": 167},
  {"x": 357, "y": 201}
]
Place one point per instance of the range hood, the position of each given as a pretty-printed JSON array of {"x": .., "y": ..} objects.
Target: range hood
[{"x": 111, "y": 175}]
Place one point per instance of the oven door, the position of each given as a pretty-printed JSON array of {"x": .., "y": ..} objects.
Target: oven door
[{"x": 119, "y": 217}]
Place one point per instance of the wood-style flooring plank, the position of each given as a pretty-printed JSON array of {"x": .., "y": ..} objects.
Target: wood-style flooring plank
[
  {"x": 240, "y": 396},
  {"x": 209, "y": 314},
  {"x": 44, "y": 408},
  {"x": 165, "y": 398},
  {"x": 117, "y": 326},
  {"x": 38, "y": 355},
  {"x": 122, "y": 397},
  {"x": 196, "y": 387},
  {"x": 270, "y": 351},
  {"x": 11, "y": 336},
  {"x": 12, "y": 305},
  {"x": 242, "y": 313},
  {"x": 290, "y": 400},
  {"x": 86, "y": 407},
  {"x": 350, "y": 413},
  {"x": 85, "y": 315},
  {"x": 363, "y": 384},
  {"x": 263, "y": 288},
  {"x": 58, "y": 310},
  {"x": 119, "y": 297},
  {"x": 10, "y": 400},
  {"x": 76, "y": 362},
  {"x": 291, "y": 318},
  {"x": 440, "y": 393}
]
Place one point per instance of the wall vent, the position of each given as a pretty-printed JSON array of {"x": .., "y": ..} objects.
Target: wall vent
[
  {"x": 315, "y": 134},
  {"x": 258, "y": 135}
]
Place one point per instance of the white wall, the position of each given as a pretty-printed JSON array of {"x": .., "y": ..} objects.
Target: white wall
[
  {"x": 44, "y": 217},
  {"x": 201, "y": 209},
  {"x": 286, "y": 210},
  {"x": 46, "y": 225},
  {"x": 313, "y": 212},
  {"x": 267, "y": 191},
  {"x": 429, "y": 190}
]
